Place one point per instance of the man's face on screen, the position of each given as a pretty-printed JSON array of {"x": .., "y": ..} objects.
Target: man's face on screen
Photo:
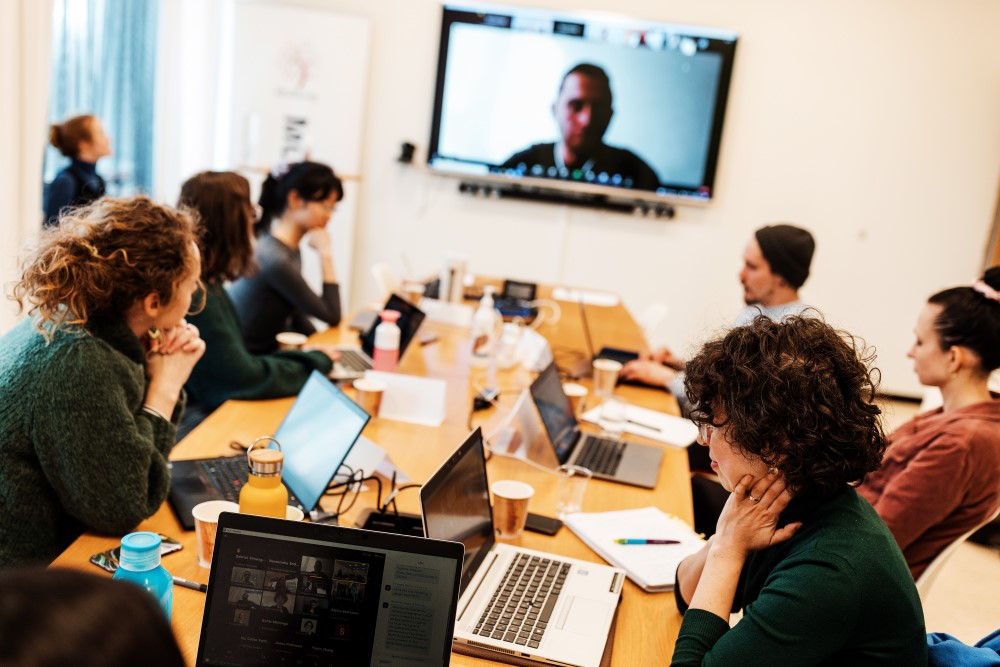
[{"x": 583, "y": 111}]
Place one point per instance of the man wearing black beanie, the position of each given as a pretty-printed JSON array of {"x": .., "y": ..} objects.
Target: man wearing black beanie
[{"x": 775, "y": 265}]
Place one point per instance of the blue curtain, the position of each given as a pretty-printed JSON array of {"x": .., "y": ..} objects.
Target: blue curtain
[{"x": 104, "y": 63}]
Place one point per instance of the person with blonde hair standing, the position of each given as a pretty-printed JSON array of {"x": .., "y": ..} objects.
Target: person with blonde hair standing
[
  {"x": 91, "y": 384},
  {"x": 83, "y": 140}
]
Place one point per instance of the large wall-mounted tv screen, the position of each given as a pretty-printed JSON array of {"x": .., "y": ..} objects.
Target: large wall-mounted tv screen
[{"x": 584, "y": 102}]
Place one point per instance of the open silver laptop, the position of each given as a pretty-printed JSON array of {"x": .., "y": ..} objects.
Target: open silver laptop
[
  {"x": 611, "y": 459},
  {"x": 525, "y": 603},
  {"x": 355, "y": 360}
]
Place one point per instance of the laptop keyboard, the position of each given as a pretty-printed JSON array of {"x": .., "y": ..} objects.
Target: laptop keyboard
[
  {"x": 228, "y": 473},
  {"x": 522, "y": 604},
  {"x": 601, "y": 455},
  {"x": 351, "y": 360}
]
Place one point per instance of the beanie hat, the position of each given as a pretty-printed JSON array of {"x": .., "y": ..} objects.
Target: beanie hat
[{"x": 788, "y": 249}]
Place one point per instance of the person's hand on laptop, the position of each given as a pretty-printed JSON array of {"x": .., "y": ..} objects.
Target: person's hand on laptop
[
  {"x": 648, "y": 372},
  {"x": 328, "y": 350},
  {"x": 663, "y": 355}
]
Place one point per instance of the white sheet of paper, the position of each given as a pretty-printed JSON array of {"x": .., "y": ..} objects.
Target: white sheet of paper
[
  {"x": 412, "y": 399},
  {"x": 659, "y": 426}
]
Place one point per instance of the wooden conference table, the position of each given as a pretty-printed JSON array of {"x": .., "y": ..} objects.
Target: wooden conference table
[{"x": 647, "y": 623}]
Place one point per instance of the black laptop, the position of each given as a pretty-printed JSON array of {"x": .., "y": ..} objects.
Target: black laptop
[
  {"x": 294, "y": 593},
  {"x": 316, "y": 436},
  {"x": 355, "y": 360}
]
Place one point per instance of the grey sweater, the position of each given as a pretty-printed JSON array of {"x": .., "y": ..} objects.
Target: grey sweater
[
  {"x": 277, "y": 298},
  {"x": 78, "y": 451}
]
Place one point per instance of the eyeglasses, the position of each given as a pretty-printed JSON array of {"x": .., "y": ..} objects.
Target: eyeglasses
[{"x": 705, "y": 431}]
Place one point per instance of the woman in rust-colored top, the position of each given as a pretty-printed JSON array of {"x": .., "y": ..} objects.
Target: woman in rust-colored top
[{"x": 941, "y": 475}]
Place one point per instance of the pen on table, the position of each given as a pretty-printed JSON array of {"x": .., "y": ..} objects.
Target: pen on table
[
  {"x": 640, "y": 541},
  {"x": 649, "y": 426},
  {"x": 193, "y": 585}
]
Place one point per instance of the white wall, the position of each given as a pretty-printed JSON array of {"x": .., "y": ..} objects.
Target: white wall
[{"x": 874, "y": 124}]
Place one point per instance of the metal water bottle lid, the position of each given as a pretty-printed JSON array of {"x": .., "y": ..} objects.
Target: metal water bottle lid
[{"x": 265, "y": 462}]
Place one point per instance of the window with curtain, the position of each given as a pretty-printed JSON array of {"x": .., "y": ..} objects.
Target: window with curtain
[{"x": 104, "y": 63}]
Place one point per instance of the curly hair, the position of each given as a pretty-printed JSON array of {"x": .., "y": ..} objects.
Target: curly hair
[
  {"x": 970, "y": 319},
  {"x": 222, "y": 200},
  {"x": 103, "y": 258},
  {"x": 797, "y": 394}
]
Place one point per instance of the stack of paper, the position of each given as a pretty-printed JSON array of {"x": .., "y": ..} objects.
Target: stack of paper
[
  {"x": 651, "y": 566},
  {"x": 652, "y": 424}
]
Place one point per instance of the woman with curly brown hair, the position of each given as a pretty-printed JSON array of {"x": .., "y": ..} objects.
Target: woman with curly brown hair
[
  {"x": 90, "y": 385},
  {"x": 786, "y": 411}
]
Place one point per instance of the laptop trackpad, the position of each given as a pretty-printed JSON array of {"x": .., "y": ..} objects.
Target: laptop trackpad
[{"x": 583, "y": 615}]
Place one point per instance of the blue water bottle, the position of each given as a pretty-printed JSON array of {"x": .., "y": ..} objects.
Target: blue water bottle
[{"x": 139, "y": 563}]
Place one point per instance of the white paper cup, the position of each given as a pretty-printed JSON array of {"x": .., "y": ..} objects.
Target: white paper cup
[
  {"x": 606, "y": 376},
  {"x": 206, "y": 523},
  {"x": 577, "y": 395},
  {"x": 291, "y": 340},
  {"x": 510, "y": 507},
  {"x": 368, "y": 394},
  {"x": 293, "y": 513}
]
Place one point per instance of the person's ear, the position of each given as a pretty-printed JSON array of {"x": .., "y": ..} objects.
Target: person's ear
[
  {"x": 151, "y": 304},
  {"x": 295, "y": 200}
]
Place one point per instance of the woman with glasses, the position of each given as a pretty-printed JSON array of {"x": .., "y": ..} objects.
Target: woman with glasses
[
  {"x": 228, "y": 369},
  {"x": 296, "y": 203},
  {"x": 91, "y": 384},
  {"x": 786, "y": 410}
]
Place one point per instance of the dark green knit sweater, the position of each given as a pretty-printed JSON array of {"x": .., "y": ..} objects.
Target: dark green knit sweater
[
  {"x": 229, "y": 371},
  {"x": 76, "y": 449},
  {"x": 837, "y": 593}
]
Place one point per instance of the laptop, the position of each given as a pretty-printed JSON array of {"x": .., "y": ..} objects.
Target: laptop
[
  {"x": 613, "y": 459},
  {"x": 527, "y": 604},
  {"x": 355, "y": 360},
  {"x": 584, "y": 368},
  {"x": 316, "y": 436},
  {"x": 293, "y": 593}
]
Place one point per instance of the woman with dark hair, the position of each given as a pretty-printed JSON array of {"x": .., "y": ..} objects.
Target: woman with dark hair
[
  {"x": 786, "y": 411},
  {"x": 91, "y": 385},
  {"x": 296, "y": 203},
  {"x": 941, "y": 476},
  {"x": 82, "y": 139},
  {"x": 228, "y": 370},
  {"x": 51, "y": 618}
]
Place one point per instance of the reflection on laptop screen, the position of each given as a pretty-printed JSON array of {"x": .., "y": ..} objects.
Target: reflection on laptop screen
[
  {"x": 456, "y": 504},
  {"x": 556, "y": 412},
  {"x": 300, "y": 594},
  {"x": 320, "y": 429},
  {"x": 410, "y": 319}
]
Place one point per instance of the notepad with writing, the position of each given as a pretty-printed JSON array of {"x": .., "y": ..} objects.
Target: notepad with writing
[{"x": 651, "y": 566}]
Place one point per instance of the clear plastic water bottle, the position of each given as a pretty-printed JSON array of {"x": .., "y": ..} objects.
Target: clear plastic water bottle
[
  {"x": 386, "y": 355},
  {"x": 139, "y": 563},
  {"x": 486, "y": 327}
]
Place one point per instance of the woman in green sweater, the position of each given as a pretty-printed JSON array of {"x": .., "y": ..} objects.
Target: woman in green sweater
[
  {"x": 90, "y": 385},
  {"x": 786, "y": 411},
  {"x": 228, "y": 370}
]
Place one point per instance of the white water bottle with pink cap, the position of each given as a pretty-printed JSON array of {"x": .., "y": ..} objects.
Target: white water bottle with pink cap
[{"x": 386, "y": 356}]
